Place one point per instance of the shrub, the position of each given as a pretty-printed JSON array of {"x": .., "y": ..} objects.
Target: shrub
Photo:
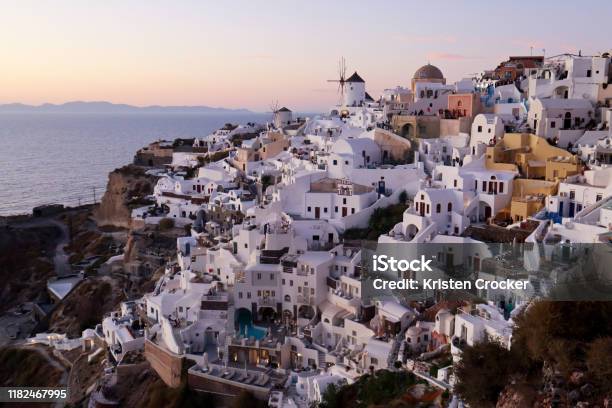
[
  {"x": 599, "y": 361},
  {"x": 166, "y": 224},
  {"x": 483, "y": 372}
]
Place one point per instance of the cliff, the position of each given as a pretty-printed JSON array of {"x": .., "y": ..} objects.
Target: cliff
[{"x": 126, "y": 189}]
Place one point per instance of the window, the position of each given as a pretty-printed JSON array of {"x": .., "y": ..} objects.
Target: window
[
  {"x": 489, "y": 130},
  {"x": 572, "y": 194},
  {"x": 271, "y": 276},
  {"x": 374, "y": 361},
  {"x": 588, "y": 73},
  {"x": 484, "y": 186},
  {"x": 259, "y": 276},
  {"x": 309, "y": 209},
  {"x": 438, "y": 208},
  {"x": 450, "y": 207},
  {"x": 552, "y": 124},
  {"x": 324, "y": 209},
  {"x": 455, "y": 183},
  {"x": 239, "y": 295},
  {"x": 346, "y": 162},
  {"x": 599, "y": 197},
  {"x": 352, "y": 210},
  {"x": 246, "y": 245},
  {"x": 336, "y": 209},
  {"x": 344, "y": 201},
  {"x": 501, "y": 187},
  {"x": 335, "y": 162},
  {"x": 479, "y": 129}
]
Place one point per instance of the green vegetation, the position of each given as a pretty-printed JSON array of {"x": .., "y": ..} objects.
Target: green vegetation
[
  {"x": 381, "y": 222},
  {"x": 370, "y": 389},
  {"x": 166, "y": 224},
  {"x": 483, "y": 373}
]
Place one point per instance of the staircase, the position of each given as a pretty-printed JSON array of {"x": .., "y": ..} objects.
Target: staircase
[{"x": 320, "y": 359}]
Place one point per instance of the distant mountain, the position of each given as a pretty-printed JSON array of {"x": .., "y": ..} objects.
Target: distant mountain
[{"x": 107, "y": 107}]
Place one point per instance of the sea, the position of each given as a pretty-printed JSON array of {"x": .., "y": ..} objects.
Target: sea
[{"x": 65, "y": 158}]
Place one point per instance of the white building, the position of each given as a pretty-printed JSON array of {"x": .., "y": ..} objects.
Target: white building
[{"x": 562, "y": 120}]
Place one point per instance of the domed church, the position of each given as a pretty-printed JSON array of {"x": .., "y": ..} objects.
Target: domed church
[{"x": 428, "y": 73}]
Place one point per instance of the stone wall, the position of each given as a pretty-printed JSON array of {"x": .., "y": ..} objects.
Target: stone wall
[{"x": 168, "y": 366}]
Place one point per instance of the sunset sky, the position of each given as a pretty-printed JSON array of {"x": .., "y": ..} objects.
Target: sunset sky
[{"x": 247, "y": 53}]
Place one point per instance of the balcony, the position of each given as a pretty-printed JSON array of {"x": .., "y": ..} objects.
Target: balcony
[
  {"x": 272, "y": 257},
  {"x": 267, "y": 301}
]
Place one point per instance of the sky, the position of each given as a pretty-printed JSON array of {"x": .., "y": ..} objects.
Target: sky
[{"x": 247, "y": 54}]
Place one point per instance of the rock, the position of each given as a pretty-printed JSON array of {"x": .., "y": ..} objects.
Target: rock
[
  {"x": 577, "y": 377},
  {"x": 123, "y": 184},
  {"x": 573, "y": 396},
  {"x": 587, "y": 389}
]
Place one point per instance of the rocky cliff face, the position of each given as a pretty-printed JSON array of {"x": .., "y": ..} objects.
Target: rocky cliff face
[{"x": 126, "y": 189}]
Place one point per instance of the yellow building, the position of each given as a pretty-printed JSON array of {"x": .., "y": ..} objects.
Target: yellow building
[
  {"x": 532, "y": 157},
  {"x": 528, "y": 197}
]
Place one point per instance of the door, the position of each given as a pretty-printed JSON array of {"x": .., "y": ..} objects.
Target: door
[
  {"x": 567, "y": 121},
  {"x": 571, "y": 209},
  {"x": 487, "y": 212},
  {"x": 317, "y": 213},
  {"x": 344, "y": 211}
]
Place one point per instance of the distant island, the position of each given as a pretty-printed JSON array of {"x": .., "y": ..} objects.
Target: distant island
[{"x": 108, "y": 107}]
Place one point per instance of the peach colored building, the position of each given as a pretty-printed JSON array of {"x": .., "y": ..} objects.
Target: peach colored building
[
  {"x": 464, "y": 105},
  {"x": 262, "y": 148}
]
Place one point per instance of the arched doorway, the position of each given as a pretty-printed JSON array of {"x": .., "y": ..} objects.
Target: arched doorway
[
  {"x": 209, "y": 337},
  {"x": 484, "y": 211},
  {"x": 306, "y": 312},
  {"x": 567, "y": 120},
  {"x": 266, "y": 314},
  {"x": 407, "y": 131},
  {"x": 561, "y": 92},
  {"x": 411, "y": 231}
]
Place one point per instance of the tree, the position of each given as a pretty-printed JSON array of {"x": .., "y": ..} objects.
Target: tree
[
  {"x": 483, "y": 372},
  {"x": 166, "y": 224}
]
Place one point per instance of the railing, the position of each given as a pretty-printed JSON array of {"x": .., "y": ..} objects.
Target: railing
[{"x": 266, "y": 302}]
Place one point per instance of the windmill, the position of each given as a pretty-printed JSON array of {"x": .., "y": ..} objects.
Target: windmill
[
  {"x": 274, "y": 110},
  {"x": 341, "y": 78}
]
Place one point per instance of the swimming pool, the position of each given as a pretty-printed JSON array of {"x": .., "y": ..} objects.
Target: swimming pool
[{"x": 247, "y": 328}]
